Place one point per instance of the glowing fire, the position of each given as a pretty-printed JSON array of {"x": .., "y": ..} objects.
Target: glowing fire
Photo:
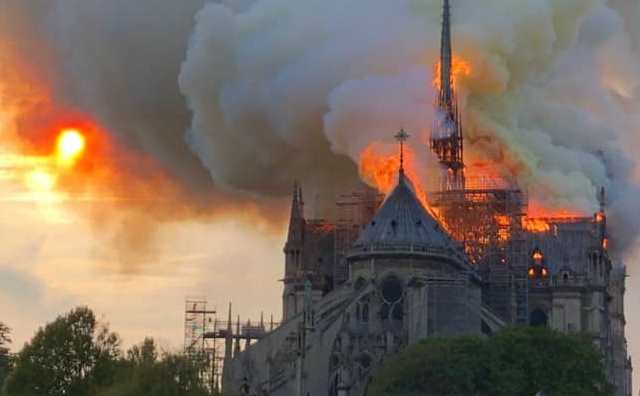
[
  {"x": 536, "y": 225},
  {"x": 540, "y": 218},
  {"x": 69, "y": 146},
  {"x": 537, "y": 255},
  {"x": 381, "y": 171},
  {"x": 504, "y": 224},
  {"x": 460, "y": 68}
]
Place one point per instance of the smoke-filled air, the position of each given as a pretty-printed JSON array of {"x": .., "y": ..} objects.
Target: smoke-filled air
[
  {"x": 215, "y": 104},
  {"x": 549, "y": 92}
]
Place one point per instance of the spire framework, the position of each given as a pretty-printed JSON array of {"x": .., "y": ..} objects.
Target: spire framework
[{"x": 446, "y": 137}]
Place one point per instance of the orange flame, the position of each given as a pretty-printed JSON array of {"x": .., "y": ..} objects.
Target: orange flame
[
  {"x": 537, "y": 255},
  {"x": 381, "y": 171},
  {"x": 504, "y": 224},
  {"x": 535, "y": 225},
  {"x": 460, "y": 68}
]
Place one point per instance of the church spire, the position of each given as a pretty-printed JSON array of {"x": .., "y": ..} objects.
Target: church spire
[
  {"x": 446, "y": 138},
  {"x": 446, "y": 96},
  {"x": 296, "y": 221}
]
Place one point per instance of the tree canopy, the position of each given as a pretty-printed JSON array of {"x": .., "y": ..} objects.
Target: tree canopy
[
  {"x": 146, "y": 371},
  {"x": 69, "y": 356},
  {"x": 514, "y": 362},
  {"x": 76, "y": 355},
  {"x": 5, "y": 357}
]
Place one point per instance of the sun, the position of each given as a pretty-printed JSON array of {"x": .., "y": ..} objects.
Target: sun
[{"x": 70, "y": 146}]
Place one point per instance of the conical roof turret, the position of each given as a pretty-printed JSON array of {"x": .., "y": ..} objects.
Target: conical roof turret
[{"x": 402, "y": 222}]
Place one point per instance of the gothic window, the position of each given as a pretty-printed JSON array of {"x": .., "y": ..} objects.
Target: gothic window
[
  {"x": 392, "y": 289},
  {"x": 392, "y": 292},
  {"x": 538, "y": 318},
  {"x": 365, "y": 312}
]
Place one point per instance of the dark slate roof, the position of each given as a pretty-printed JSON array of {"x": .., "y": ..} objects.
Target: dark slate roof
[{"x": 402, "y": 222}]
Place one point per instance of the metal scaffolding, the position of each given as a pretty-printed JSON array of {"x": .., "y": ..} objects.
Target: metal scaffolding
[
  {"x": 487, "y": 220},
  {"x": 209, "y": 341},
  {"x": 199, "y": 323},
  {"x": 354, "y": 211}
]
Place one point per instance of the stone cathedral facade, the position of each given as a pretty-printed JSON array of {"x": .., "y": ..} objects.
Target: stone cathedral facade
[{"x": 407, "y": 280}]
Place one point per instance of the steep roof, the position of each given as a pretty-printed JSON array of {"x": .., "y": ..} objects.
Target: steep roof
[{"x": 402, "y": 222}]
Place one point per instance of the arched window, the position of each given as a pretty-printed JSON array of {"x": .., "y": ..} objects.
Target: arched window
[
  {"x": 538, "y": 318},
  {"x": 392, "y": 289},
  {"x": 392, "y": 293}
]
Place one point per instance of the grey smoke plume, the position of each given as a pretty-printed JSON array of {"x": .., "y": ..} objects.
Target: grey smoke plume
[
  {"x": 117, "y": 61},
  {"x": 282, "y": 89},
  {"x": 551, "y": 98}
]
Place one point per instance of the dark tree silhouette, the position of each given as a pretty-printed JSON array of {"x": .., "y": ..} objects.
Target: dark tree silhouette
[{"x": 515, "y": 362}]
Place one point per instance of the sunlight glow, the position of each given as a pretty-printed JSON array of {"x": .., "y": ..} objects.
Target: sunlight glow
[{"x": 70, "y": 146}]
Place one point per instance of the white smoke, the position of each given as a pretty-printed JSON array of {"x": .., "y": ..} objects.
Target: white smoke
[{"x": 279, "y": 87}]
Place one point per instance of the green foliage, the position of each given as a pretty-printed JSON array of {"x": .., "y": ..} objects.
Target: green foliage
[
  {"x": 70, "y": 356},
  {"x": 75, "y": 355},
  {"x": 515, "y": 362},
  {"x": 5, "y": 356},
  {"x": 147, "y": 372}
]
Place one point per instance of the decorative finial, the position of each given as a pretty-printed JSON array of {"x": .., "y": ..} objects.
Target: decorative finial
[{"x": 401, "y": 137}]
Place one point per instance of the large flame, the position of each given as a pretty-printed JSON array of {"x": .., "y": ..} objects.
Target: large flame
[
  {"x": 460, "y": 68},
  {"x": 540, "y": 218},
  {"x": 380, "y": 170}
]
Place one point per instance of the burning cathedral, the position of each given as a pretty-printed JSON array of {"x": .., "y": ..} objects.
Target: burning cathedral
[{"x": 390, "y": 272}]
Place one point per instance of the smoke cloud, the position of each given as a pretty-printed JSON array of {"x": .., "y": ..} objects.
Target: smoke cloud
[
  {"x": 551, "y": 99},
  {"x": 237, "y": 99}
]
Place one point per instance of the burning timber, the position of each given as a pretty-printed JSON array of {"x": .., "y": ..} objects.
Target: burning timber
[{"x": 390, "y": 272}]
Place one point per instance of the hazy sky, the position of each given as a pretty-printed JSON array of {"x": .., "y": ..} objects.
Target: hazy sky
[{"x": 51, "y": 260}]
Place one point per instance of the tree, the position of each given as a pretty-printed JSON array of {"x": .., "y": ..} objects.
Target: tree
[
  {"x": 5, "y": 356},
  {"x": 73, "y": 355},
  {"x": 515, "y": 362},
  {"x": 146, "y": 371}
]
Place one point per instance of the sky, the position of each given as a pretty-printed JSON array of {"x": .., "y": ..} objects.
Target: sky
[
  {"x": 51, "y": 261},
  {"x": 199, "y": 115}
]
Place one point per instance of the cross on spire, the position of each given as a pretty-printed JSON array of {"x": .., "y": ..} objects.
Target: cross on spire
[{"x": 401, "y": 137}]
